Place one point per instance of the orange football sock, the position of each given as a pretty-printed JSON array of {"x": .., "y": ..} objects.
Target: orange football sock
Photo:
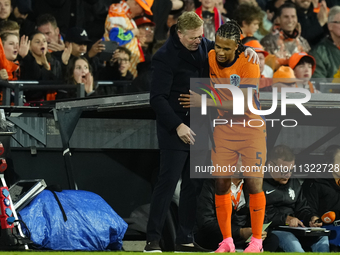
[
  {"x": 224, "y": 210},
  {"x": 257, "y": 207}
]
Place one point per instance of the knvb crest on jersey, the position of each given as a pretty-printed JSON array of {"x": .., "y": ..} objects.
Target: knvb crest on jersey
[{"x": 235, "y": 80}]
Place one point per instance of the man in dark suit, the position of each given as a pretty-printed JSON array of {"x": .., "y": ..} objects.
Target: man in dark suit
[{"x": 183, "y": 56}]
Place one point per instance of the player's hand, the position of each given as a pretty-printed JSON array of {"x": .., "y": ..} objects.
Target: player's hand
[
  {"x": 312, "y": 222},
  {"x": 293, "y": 222},
  {"x": 190, "y": 100},
  {"x": 264, "y": 235},
  {"x": 245, "y": 233},
  {"x": 185, "y": 134},
  {"x": 252, "y": 55}
]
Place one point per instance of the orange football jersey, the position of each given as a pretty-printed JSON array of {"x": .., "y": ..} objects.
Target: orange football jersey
[{"x": 242, "y": 74}]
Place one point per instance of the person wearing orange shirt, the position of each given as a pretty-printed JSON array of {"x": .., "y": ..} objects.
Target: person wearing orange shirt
[{"x": 227, "y": 61}]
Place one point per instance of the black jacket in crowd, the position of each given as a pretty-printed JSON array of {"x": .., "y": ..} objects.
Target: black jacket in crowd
[
  {"x": 311, "y": 29},
  {"x": 68, "y": 13},
  {"x": 323, "y": 195},
  {"x": 30, "y": 70},
  {"x": 173, "y": 65},
  {"x": 285, "y": 200}
]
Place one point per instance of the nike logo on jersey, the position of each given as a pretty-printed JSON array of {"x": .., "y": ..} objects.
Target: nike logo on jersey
[
  {"x": 269, "y": 191},
  {"x": 212, "y": 74},
  {"x": 257, "y": 210}
]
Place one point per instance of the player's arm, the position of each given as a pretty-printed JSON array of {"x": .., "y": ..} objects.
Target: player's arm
[{"x": 194, "y": 100}]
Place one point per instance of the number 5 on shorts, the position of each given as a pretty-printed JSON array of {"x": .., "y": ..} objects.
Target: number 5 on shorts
[{"x": 259, "y": 156}]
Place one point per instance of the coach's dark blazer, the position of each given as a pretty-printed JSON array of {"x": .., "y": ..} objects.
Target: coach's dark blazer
[{"x": 173, "y": 66}]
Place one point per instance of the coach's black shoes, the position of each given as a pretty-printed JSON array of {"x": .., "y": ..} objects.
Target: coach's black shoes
[
  {"x": 194, "y": 247},
  {"x": 152, "y": 247}
]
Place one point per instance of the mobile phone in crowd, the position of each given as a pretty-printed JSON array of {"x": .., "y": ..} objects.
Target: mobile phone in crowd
[{"x": 110, "y": 47}]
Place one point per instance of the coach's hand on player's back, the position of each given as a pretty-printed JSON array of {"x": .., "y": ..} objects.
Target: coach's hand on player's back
[
  {"x": 252, "y": 55},
  {"x": 185, "y": 134},
  {"x": 190, "y": 100}
]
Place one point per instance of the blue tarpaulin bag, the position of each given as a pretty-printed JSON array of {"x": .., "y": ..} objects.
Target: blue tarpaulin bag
[
  {"x": 334, "y": 238},
  {"x": 90, "y": 223}
]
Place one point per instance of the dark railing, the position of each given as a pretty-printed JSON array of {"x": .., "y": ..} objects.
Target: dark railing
[{"x": 18, "y": 87}]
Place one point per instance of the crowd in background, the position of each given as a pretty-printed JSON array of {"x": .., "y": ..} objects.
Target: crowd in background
[{"x": 63, "y": 41}]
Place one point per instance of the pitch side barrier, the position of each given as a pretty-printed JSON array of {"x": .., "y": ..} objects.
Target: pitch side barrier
[{"x": 18, "y": 88}]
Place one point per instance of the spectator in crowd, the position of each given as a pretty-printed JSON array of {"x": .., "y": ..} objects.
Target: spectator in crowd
[
  {"x": 284, "y": 77},
  {"x": 120, "y": 27},
  {"x": 76, "y": 42},
  {"x": 78, "y": 71},
  {"x": 222, "y": 10},
  {"x": 172, "y": 20},
  {"x": 312, "y": 24},
  {"x": 285, "y": 41},
  {"x": 143, "y": 80},
  {"x": 162, "y": 9},
  {"x": 39, "y": 65},
  {"x": 47, "y": 24},
  {"x": 10, "y": 49},
  {"x": 118, "y": 67},
  {"x": 249, "y": 17},
  {"x": 21, "y": 10},
  {"x": 327, "y": 52},
  {"x": 9, "y": 26},
  {"x": 147, "y": 30},
  {"x": 189, "y": 6},
  {"x": 67, "y": 13},
  {"x": 211, "y": 16},
  {"x": 323, "y": 194},
  {"x": 303, "y": 66},
  {"x": 272, "y": 8},
  {"x": 208, "y": 233},
  {"x": 287, "y": 205},
  {"x": 5, "y": 9}
]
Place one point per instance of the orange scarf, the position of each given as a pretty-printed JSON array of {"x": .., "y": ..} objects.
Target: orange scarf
[{"x": 7, "y": 64}]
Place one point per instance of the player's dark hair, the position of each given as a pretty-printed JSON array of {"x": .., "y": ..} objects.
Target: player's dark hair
[
  {"x": 330, "y": 153},
  {"x": 231, "y": 30}
]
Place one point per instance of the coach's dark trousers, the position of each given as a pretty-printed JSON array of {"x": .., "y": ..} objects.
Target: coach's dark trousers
[{"x": 173, "y": 165}]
